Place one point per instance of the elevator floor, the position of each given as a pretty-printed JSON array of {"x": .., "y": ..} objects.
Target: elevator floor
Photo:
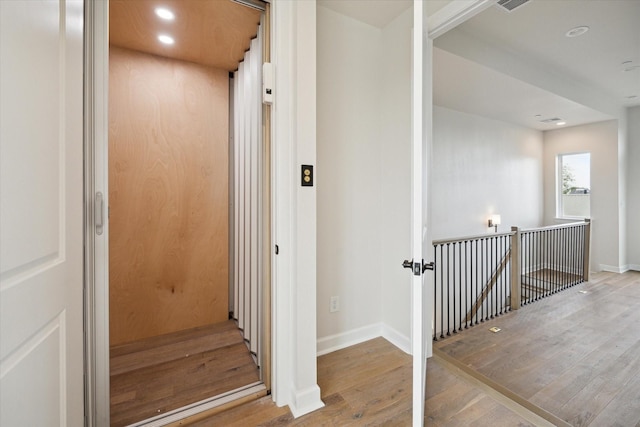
[{"x": 163, "y": 373}]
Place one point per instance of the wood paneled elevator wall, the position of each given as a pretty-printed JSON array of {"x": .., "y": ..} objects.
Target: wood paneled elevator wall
[{"x": 168, "y": 192}]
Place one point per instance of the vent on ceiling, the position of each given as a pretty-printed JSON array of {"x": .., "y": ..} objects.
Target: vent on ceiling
[
  {"x": 510, "y": 5},
  {"x": 552, "y": 120}
]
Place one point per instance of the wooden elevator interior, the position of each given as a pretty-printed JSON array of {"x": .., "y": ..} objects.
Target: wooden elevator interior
[{"x": 169, "y": 189}]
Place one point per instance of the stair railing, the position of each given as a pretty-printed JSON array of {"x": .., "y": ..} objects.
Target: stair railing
[{"x": 480, "y": 277}]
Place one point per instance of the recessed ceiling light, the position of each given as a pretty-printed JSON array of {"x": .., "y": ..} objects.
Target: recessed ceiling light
[
  {"x": 577, "y": 31},
  {"x": 561, "y": 123},
  {"x": 165, "y": 39},
  {"x": 165, "y": 13}
]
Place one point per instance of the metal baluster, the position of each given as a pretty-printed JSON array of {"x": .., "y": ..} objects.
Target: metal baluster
[
  {"x": 460, "y": 286},
  {"x": 475, "y": 294},
  {"x": 467, "y": 262},
  {"x": 442, "y": 293},
  {"x": 435, "y": 293}
]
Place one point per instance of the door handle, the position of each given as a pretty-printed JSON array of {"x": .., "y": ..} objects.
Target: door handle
[
  {"x": 98, "y": 214},
  {"x": 428, "y": 266},
  {"x": 416, "y": 267}
]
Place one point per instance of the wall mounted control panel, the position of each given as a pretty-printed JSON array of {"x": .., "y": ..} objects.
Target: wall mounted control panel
[{"x": 307, "y": 176}]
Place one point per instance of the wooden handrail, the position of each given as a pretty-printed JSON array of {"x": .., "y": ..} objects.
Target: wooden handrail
[
  {"x": 557, "y": 226},
  {"x": 467, "y": 238}
]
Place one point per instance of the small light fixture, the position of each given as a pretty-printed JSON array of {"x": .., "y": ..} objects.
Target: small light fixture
[
  {"x": 165, "y": 39},
  {"x": 577, "y": 31},
  {"x": 494, "y": 221},
  {"x": 561, "y": 123},
  {"x": 165, "y": 14}
]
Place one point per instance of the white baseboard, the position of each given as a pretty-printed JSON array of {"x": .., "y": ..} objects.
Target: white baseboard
[
  {"x": 613, "y": 269},
  {"x": 396, "y": 338},
  {"x": 634, "y": 267},
  {"x": 305, "y": 401},
  {"x": 346, "y": 339}
]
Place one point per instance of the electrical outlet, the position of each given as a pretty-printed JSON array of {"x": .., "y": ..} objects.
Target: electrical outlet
[{"x": 334, "y": 305}]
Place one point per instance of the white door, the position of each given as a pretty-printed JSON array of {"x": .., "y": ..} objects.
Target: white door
[
  {"x": 420, "y": 233},
  {"x": 41, "y": 213}
]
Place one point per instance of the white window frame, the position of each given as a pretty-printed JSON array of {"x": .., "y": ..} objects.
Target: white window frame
[{"x": 558, "y": 189}]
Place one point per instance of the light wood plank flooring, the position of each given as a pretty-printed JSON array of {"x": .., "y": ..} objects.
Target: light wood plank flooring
[
  {"x": 163, "y": 373},
  {"x": 370, "y": 384},
  {"x": 575, "y": 354}
]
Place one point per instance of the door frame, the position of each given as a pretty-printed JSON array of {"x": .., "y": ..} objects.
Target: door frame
[
  {"x": 426, "y": 29},
  {"x": 96, "y": 245}
]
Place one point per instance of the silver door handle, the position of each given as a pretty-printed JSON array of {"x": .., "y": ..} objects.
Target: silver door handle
[{"x": 99, "y": 213}]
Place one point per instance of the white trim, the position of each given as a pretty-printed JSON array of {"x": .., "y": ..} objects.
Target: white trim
[
  {"x": 336, "y": 342},
  {"x": 454, "y": 14},
  {"x": 613, "y": 269},
  {"x": 293, "y": 143},
  {"x": 346, "y": 339},
  {"x": 633, "y": 267},
  {"x": 305, "y": 401},
  {"x": 396, "y": 338}
]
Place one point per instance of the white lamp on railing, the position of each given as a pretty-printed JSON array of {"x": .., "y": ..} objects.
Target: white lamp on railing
[{"x": 494, "y": 221}]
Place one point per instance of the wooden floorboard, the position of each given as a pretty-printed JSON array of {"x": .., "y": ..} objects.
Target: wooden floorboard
[
  {"x": 575, "y": 354},
  {"x": 155, "y": 376},
  {"x": 370, "y": 384}
]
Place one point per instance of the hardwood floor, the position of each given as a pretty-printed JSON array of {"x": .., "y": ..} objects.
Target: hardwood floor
[
  {"x": 575, "y": 354},
  {"x": 163, "y": 373},
  {"x": 370, "y": 384}
]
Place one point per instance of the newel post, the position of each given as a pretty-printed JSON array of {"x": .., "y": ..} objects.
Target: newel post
[
  {"x": 586, "y": 261},
  {"x": 516, "y": 277}
]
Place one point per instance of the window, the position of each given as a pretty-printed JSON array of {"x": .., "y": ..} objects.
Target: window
[{"x": 574, "y": 185}]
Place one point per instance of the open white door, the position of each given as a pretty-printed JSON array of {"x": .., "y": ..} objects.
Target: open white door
[
  {"x": 41, "y": 213},
  {"x": 420, "y": 233}
]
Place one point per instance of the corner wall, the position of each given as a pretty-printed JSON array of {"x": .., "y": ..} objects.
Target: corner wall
[
  {"x": 601, "y": 140},
  {"x": 633, "y": 188},
  {"x": 395, "y": 157},
  {"x": 364, "y": 167},
  {"x": 349, "y": 205}
]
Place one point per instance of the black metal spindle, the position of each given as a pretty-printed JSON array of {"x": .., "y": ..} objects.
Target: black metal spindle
[
  {"x": 475, "y": 282},
  {"x": 441, "y": 293},
  {"x": 467, "y": 262},
  {"x": 460, "y": 286}
]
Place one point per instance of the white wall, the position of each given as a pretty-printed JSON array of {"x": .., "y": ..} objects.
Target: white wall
[
  {"x": 395, "y": 155},
  {"x": 633, "y": 188},
  {"x": 349, "y": 176},
  {"x": 481, "y": 167},
  {"x": 601, "y": 140},
  {"x": 363, "y": 179}
]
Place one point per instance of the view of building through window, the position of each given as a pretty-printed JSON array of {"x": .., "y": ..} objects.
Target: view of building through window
[{"x": 574, "y": 198}]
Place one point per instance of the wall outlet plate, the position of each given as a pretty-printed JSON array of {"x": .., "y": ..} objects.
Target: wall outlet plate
[{"x": 334, "y": 305}]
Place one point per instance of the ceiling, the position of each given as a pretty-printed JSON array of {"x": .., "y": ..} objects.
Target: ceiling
[
  {"x": 209, "y": 32},
  {"x": 377, "y": 13},
  {"x": 533, "y": 34}
]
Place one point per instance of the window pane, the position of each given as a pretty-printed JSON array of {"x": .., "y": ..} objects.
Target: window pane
[{"x": 575, "y": 188}]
